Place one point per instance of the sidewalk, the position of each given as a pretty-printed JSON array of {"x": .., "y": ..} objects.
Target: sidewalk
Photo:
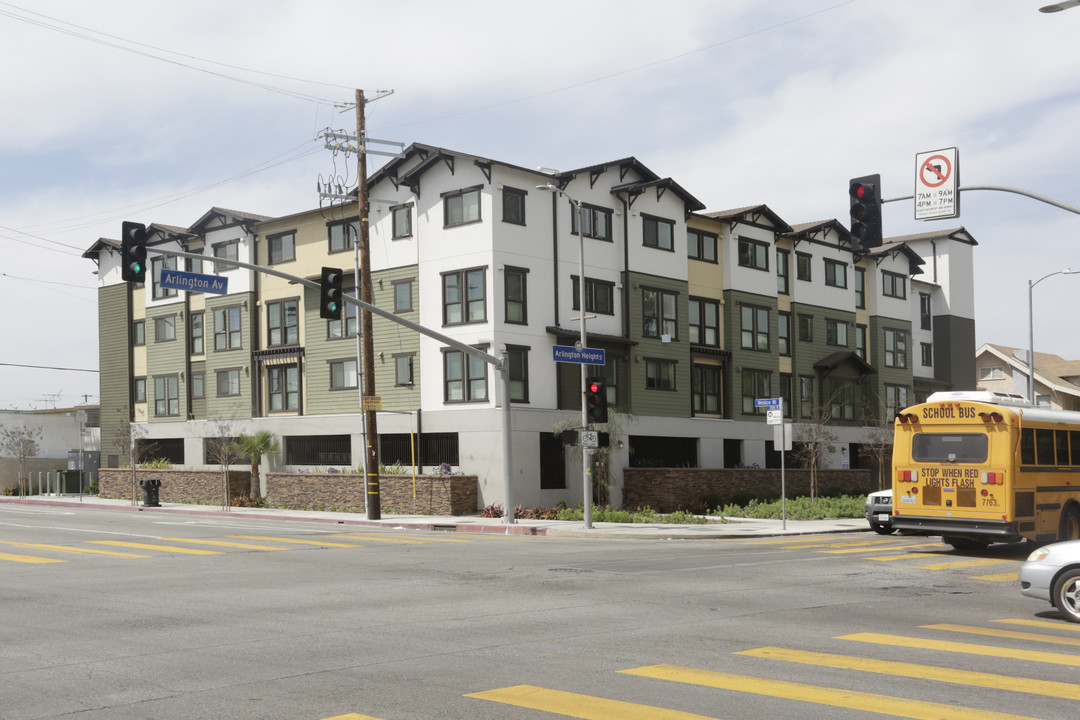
[{"x": 732, "y": 528}]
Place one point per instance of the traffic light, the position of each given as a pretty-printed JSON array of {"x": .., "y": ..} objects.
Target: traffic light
[
  {"x": 595, "y": 400},
  {"x": 865, "y": 195},
  {"x": 133, "y": 252},
  {"x": 330, "y": 294}
]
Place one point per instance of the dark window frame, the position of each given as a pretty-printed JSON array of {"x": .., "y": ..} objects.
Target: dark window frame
[
  {"x": 664, "y": 324},
  {"x": 514, "y": 200},
  {"x": 513, "y": 300},
  {"x": 454, "y": 197},
  {"x": 651, "y": 235},
  {"x": 284, "y": 327},
  {"x": 278, "y": 251},
  {"x": 753, "y": 253},
  {"x": 698, "y": 244}
]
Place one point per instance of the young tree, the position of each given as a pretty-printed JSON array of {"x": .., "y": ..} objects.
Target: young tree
[
  {"x": 19, "y": 443},
  {"x": 253, "y": 447},
  {"x": 815, "y": 439},
  {"x": 877, "y": 448},
  {"x": 223, "y": 448},
  {"x": 131, "y": 443}
]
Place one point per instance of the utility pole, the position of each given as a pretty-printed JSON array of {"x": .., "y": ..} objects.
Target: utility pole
[{"x": 371, "y": 497}]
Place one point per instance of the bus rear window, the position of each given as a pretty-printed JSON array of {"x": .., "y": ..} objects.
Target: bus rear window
[{"x": 949, "y": 447}]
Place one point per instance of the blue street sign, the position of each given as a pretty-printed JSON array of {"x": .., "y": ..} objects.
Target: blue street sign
[
  {"x": 770, "y": 403},
  {"x": 194, "y": 282},
  {"x": 587, "y": 356}
]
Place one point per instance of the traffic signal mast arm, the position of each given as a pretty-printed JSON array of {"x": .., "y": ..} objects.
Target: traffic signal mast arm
[
  {"x": 456, "y": 344},
  {"x": 1001, "y": 188}
]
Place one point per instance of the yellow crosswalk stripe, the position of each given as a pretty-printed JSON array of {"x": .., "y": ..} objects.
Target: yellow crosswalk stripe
[
  {"x": 869, "y": 549},
  {"x": 297, "y": 541},
  {"x": 833, "y": 697},
  {"x": 960, "y": 564},
  {"x": 1073, "y": 627},
  {"x": 586, "y": 707},
  {"x": 64, "y": 548},
  {"x": 29, "y": 559},
  {"x": 997, "y": 577},
  {"x": 1007, "y": 634},
  {"x": 908, "y": 556},
  {"x": 810, "y": 539},
  {"x": 352, "y": 716},
  {"x": 1049, "y": 688},
  {"x": 163, "y": 548},
  {"x": 966, "y": 648},
  {"x": 376, "y": 538},
  {"x": 223, "y": 543}
]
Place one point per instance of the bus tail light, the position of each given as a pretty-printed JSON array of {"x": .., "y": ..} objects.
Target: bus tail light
[
  {"x": 993, "y": 478},
  {"x": 907, "y": 418},
  {"x": 908, "y": 476},
  {"x": 991, "y": 417}
]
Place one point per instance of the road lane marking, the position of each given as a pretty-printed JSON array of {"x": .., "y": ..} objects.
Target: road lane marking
[
  {"x": 1041, "y": 623},
  {"x": 833, "y": 697},
  {"x": 223, "y": 543},
  {"x": 29, "y": 559},
  {"x": 1005, "y": 634},
  {"x": 908, "y": 556},
  {"x": 64, "y": 548},
  {"x": 163, "y": 548},
  {"x": 371, "y": 536},
  {"x": 906, "y": 547},
  {"x": 586, "y": 707},
  {"x": 352, "y": 716},
  {"x": 297, "y": 541},
  {"x": 960, "y": 564},
  {"x": 1049, "y": 688},
  {"x": 966, "y": 648},
  {"x": 997, "y": 577},
  {"x": 814, "y": 539}
]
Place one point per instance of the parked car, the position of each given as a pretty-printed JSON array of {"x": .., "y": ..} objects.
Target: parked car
[
  {"x": 879, "y": 511},
  {"x": 1052, "y": 573}
]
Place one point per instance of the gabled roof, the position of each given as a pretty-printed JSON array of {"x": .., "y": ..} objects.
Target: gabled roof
[
  {"x": 225, "y": 217},
  {"x": 100, "y": 244},
  {"x": 752, "y": 214},
  {"x": 637, "y": 188},
  {"x": 820, "y": 227},
  {"x": 959, "y": 234},
  {"x": 1051, "y": 370},
  {"x": 844, "y": 357}
]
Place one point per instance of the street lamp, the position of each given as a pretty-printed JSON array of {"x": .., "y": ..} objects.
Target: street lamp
[
  {"x": 1059, "y": 6},
  {"x": 585, "y": 474},
  {"x": 1031, "y": 316}
]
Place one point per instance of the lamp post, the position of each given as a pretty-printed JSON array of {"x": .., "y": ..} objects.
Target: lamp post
[
  {"x": 1031, "y": 330},
  {"x": 585, "y": 474}
]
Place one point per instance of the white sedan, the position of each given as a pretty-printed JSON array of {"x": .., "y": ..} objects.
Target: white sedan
[{"x": 1052, "y": 573}]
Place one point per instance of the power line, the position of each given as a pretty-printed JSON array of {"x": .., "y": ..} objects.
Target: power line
[{"x": 47, "y": 367}]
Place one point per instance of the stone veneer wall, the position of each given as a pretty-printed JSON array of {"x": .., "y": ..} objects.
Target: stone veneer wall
[
  {"x": 671, "y": 489},
  {"x": 202, "y": 487},
  {"x": 435, "y": 494}
]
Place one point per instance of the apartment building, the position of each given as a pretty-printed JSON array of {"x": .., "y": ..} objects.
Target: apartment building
[{"x": 699, "y": 314}]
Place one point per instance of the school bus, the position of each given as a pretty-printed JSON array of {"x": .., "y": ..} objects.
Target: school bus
[{"x": 982, "y": 467}]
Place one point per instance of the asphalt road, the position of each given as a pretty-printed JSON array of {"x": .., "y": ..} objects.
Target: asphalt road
[{"x": 125, "y": 615}]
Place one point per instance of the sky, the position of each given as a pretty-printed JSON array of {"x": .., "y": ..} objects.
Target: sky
[{"x": 156, "y": 112}]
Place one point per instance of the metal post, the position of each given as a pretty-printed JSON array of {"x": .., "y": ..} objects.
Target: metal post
[
  {"x": 508, "y": 481},
  {"x": 586, "y": 453},
  {"x": 1031, "y": 330}
]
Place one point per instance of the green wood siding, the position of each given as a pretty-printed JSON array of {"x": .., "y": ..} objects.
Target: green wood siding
[
  {"x": 236, "y": 406},
  {"x": 649, "y": 401},
  {"x": 746, "y": 359},
  {"x": 166, "y": 358},
  {"x": 114, "y": 359}
]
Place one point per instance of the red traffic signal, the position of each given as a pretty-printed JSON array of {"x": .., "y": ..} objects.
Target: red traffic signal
[
  {"x": 596, "y": 405},
  {"x": 866, "y": 211}
]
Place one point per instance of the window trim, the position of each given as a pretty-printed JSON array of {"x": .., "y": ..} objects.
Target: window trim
[
  {"x": 394, "y": 286},
  {"x": 163, "y": 320},
  {"x": 522, "y": 352},
  {"x": 890, "y": 281},
  {"x": 783, "y": 271},
  {"x": 591, "y": 287},
  {"x": 697, "y": 241},
  {"x": 278, "y": 237},
  {"x": 757, "y": 261},
  {"x": 463, "y": 280},
  {"x": 832, "y": 332},
  {"x": 405, "y": 208},
  {"x": 662, "y": 320},
  {"x": 661, "y": 364},
  {"x": 228, "y": 332},
  {"x": 466, "y": 379},
  {"x": 349, "y": 226},
  {"x": 284, "y": 327},
  {"x": 450, "y": 195},
  {"x": 175, "y": 378},
  {"x": 345, "y": 376},
  {"x": 218, "y": 373},
  {"x": 804, "y": 261},
  {"x": 220, "y": 261},
  {"x": 835, "y": 265},
  {"x": 589, "y": 213},
  {"x": 523, "y": 273},
  {"x": 138, "y": 333},
  {"x": 507, "y": 193},
  {"x": 200, "y": 335},
  {"x": 703, "y": 324},
  {"x": 896, "y": 334},
  {"x": 650, "y": 220},
  {"x": 285, "y": 393},
  {"x": 411, "y": 357}
]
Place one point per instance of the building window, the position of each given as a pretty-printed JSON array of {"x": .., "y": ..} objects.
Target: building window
[
  {"x": 282, "y": 323},
  {"x": 282, "y": 248},
  {"x": 343, "y": 374},
  {"x": 841, "y": 400},
  {"x": 659, "y": 374},
  {"x": 198, "y": 385},
  {"x": 464, "y": 300},
  {"x": 198, "y": 341},
  {"x": 895, "y": 348},
  {"x": 402, "y": 220},
  {"x": 835, "y": 273},
  {"x": 402, "y": 295},
  {"x": 755, "y": 384},
  {"x": 701, "y": 245},
  {"x": 465, "y": 377},
  {"x": 193, "y": 266},
  {"x": 228, "y": 382},
  {"x": 167, "y": 396},
  {"x": 806, "y": 396},
  {"x": 860, "y": 341},
  {"x": 513, "y": 202},
  {"x": 927, "y": 351},
  {"x": 836, "y": 332},
  {"x": 896, "y": 399},
  {"x": 518, "y": 357},
  {"x": 803, "y": 266},
  {"x": 705, "y": 389},
  {"x": 659, "y": 313},
  {"x": 753, "y": 254},
  {"x": 597, "y": 222},
  {"x": 599, "y": 296},
  {"x": 165, "y": 329},
  {"x": 783, "y": 332},
  {"x": 925, "y": 318},
  {"x": 515, "y": 289},
  {"x": 785, "y": 394},
  {"x": 403, "y": 369},
  {"x": 227, "y": 331},
  {"x": 156, "y": 266},
  {"x": 754, "y": 328},
  {"x": 704, "y": 317},
  {"x": 658, "y": 232},
  {"x": 284, "y": 388},
  {"x": 334, "y": 328},
  {"x": 806, "y": 328},
  {"x": 993, "y": 372},
  {"x": 783, "y": 272},
  {"x": 226, "y": 251},
  {"x": 860, "y": 287},
  {"x": 893, "y": 285},
  {"x": 138, "y": 332},
  {"x": 461, "y": 207},
  {"x": 341, "y": 234},
  {"x": 138, "y": 389}
]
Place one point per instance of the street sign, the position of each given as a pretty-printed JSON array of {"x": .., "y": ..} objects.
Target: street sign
[
  {"x": 770, "y": 403},
  {"x": 774, "y": 417},
  {"x": 937, "y": 184},
  {"x": 193, "y": 282},
  {"x": 589, "y": 438},
  {"x": 372, "y": 403},
  {"x": 586, "y": 356}
]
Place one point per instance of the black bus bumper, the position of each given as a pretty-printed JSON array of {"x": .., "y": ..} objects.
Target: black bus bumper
[{"x": 992, "y": 530}]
